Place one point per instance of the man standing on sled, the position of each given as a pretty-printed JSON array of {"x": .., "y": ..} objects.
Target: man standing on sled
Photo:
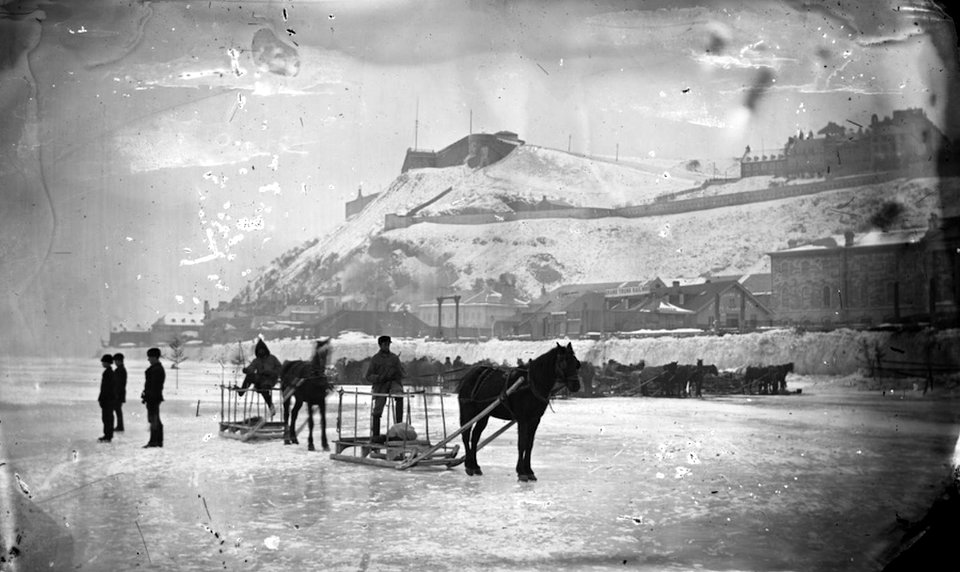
[
  {"x": 263, "y": 373},
  {"x": 385, "y": 374}
]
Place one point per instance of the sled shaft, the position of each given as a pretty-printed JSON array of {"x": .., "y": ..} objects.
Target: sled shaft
[{"x": 464, "y": 427}]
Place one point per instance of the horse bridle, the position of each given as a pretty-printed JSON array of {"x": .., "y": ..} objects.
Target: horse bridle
[{"x": 559, "y": 383}]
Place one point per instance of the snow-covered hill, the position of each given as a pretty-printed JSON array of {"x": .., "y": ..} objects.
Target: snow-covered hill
[{"x": 410, "y": 264}]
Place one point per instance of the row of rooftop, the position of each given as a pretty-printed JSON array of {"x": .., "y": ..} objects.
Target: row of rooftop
[{"x": 850, "y": 280}]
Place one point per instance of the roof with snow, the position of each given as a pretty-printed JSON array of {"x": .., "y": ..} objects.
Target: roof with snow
[
  {"x": 699, "y": 296},
  {"x": 182, "y": 319},
  {"x": 663, "y": 307},
  {"x": 869, "y": 239}
]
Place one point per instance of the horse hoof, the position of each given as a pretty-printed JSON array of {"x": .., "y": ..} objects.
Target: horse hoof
[
  {"x": 531, "y": 477},
  {"x": 523, "y": 478},
  {"x": 310, "y": 447},
  {"x": 469, "y": 471},
  {"x": 478, "y": 472},
  {"x": 326, "y": 447},
  {"x": 287, "y": 442}
]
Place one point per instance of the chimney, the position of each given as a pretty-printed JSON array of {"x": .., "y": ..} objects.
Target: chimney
[
  {"x": 848, "y": 238},
  {"x": 676, "y": 284}
]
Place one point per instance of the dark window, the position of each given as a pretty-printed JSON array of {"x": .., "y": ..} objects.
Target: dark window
[{"x": 826, "y": 296}]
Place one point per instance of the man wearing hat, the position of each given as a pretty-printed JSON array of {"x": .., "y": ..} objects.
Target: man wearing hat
[
  {"x": 107, "y": 398},
  {"x": 120, "y": 374},
  {"x": 152, "y": 396},
  {"x": 385, "y": 374}
]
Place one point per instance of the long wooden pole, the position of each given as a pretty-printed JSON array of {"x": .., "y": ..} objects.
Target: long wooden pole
[{"x": 464, "y": 427}]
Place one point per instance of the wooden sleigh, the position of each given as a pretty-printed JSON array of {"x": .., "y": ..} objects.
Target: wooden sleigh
[{"x": 406, "y": 454}]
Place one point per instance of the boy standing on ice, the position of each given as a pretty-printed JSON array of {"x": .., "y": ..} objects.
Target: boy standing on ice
[
  {"x": 121, "y": 377},
  {"x": 107, "y": 398},
  {"x": 152, "y": 396}
]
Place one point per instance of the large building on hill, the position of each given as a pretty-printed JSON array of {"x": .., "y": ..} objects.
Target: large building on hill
[
  {"x": 475, "y": 150},
  {"x": 891, "y": 143},
  {"x": 867, "y": 279}
]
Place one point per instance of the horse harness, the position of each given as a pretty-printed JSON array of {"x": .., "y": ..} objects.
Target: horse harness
[
  {"x": 297, "y": 382},
  {"x": 527, "y": 384}
]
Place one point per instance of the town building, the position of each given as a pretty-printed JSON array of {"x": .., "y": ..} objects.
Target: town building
[
  {"x": 182, "y": 325},
  {"x": 905, "y": 139},
  {"x": 866, "y": 279},
  {"x": 473, "y": 314},
  {"x": 371, "y": 322}
]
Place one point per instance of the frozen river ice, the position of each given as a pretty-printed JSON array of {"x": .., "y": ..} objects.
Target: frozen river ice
[{"x": 800, "y": 482}]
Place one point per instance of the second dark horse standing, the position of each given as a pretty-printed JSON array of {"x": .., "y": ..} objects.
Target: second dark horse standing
[
  {"x": 306, "y": 382},
  {"x": 483, "y": 385}
]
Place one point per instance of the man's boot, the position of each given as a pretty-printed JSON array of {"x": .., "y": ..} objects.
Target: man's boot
[
  {"x": 398, "y": 408},
  {"x": 153, "y": 437}
]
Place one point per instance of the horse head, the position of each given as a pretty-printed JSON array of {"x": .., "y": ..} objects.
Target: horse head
[
  {"x": 567, "y": 367},
  {"x": 321, "y": 351}
]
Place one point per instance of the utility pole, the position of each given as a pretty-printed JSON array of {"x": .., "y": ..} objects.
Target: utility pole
[
  {"x": 569, "y": 142},
  {"x": 416, "y": 125},
  {"x": 471, "y": 123}
]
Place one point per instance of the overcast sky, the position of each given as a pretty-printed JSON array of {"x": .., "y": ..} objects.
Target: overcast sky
[{"x": 155, "y": 155}]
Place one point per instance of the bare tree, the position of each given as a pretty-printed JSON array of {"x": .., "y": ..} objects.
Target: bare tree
[{"x": 177, "y": 356}]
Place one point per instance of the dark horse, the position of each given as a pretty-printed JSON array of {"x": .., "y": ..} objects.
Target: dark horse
[
  {"x": 482, "y": 385},
  {"x": 307, "y": 382}
]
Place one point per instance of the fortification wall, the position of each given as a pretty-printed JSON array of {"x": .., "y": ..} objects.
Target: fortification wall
[{"x": 660, "y": 208}]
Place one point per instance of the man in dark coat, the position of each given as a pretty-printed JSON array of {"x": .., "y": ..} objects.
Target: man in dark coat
[
  {"x": 152, "y": 396},
  {"x": 120, "y": 373},
  {"x": 385, "y": 374},
  {"x": 263, "y": 373},
  {"x": 107, "y": 398}
]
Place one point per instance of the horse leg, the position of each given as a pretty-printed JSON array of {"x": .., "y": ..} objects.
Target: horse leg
[
  {"x": 469, "y": 456},
  {"x": 521, "y": 448},
  {"x": 310, "y": 446},
  {"x": 323, "y": 425},
  {"x": 286, "y": 422},
  {"x": 474, "y": 440},
  {"x": 293, "y": 422},
  {"x": 525, "y": 433}
]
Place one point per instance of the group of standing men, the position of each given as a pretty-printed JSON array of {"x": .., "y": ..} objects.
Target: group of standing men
[{"x": 113, "y": 394}]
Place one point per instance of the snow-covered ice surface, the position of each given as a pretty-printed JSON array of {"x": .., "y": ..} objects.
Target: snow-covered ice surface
[{"x": 800, "y": 482}]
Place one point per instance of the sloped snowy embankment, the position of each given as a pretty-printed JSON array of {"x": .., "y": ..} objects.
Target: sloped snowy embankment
[{"x": 840, "y": 352}]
